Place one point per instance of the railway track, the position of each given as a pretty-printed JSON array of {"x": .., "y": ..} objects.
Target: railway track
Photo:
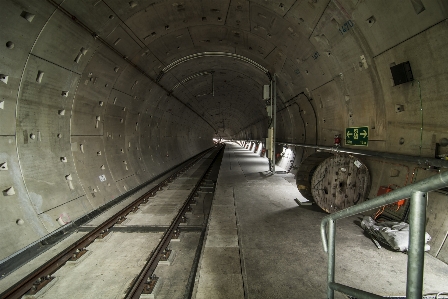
[{"x": 119, "y": 257}]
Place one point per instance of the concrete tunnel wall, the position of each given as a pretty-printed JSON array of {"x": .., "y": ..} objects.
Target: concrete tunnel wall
[{"x": 85, "y": 92}]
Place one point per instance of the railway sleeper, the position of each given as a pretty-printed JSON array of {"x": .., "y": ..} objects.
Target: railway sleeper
[
  {"x": 176, "y": 235},
  {"x": 103, "y": 234},
  {"x": 167, "y": 257},
  {"x": 77, "y": 254},
  {"x": 120, "y": 219},
  {"x": 39, "y": 284},
  {"x": 150, "y": 285},
  {"x": 81, "y": 253}
]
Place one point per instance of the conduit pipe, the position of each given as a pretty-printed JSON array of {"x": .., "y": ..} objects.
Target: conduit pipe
[{"x": 430, "y": 162}]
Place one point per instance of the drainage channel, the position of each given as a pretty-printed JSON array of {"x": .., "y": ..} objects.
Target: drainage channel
[{"x": 149, "y": 247}]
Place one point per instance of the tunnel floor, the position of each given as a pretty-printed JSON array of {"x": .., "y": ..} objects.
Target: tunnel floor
[{"x": 261, "y": 244}]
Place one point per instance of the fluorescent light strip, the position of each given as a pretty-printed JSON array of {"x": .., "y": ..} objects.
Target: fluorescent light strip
[{"x": 214, "y": 54}]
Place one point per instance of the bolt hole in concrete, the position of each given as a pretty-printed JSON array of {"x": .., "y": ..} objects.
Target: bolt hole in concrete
[
  {"x": 9, "y": 44},
  {"x": 401, "y": 141}
]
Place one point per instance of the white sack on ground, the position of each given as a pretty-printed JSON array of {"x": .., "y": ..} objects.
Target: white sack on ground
[{"x": 394, "y": 234}]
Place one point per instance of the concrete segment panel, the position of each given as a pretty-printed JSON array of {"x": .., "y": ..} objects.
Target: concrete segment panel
[
  {"x": 421, "y": 119},
  {"x": 15, "y": 234},
  {"x": 59, "y": 36},
  {"x": 123, "y": 42},
  {"x": 400, "y": 19},
  {"x": 237, "y": 15},
  {"x": 95, "y": 15},
  {"x": 306, "y": 14},
  {"x": 45, "y": 135},
  {"x": 16, "y": 42},
  {"x": 67, "y": 211},
  {"x": 176, "y": 15},
  {"x": 94, "y": 91},
  {"x": 94, "y": 171}
]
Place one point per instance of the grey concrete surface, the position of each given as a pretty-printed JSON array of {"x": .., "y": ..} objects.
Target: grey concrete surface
[
  {"x": 18, "y": 274},
  {"x": 175, "y": 276},
  {"x": 165, "y": 200},
  {"x": 281, "y": 250},
  {"x": 220, "y": 265},
  {"x": 97, "y": 97},
  {"x": 107, "y": 269}
]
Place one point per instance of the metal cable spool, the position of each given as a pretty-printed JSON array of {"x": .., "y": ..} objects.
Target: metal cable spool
[{"x": 337, "y": 182}]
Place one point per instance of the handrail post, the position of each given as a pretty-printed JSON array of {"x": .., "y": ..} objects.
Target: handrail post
[
  {"x": 331, "y": 256},
  {"x": 416, "y": 253}
]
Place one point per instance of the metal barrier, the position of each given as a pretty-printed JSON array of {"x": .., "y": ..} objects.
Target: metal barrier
[{"x": 417, "y": 220}]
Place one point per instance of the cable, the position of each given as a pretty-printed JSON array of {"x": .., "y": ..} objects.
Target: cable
[{"x": 421, "y": 116}]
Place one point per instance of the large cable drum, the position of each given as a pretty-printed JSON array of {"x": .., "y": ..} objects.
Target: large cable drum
[
  {"x": 337, "y": 182},
  {"x": 306, "y": 171}
]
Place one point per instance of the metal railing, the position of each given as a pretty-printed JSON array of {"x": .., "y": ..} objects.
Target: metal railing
[{"x": 417, "y": 220}]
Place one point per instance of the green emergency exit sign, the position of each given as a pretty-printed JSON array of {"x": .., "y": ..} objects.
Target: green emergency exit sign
[{"x": 357, "y": 136}]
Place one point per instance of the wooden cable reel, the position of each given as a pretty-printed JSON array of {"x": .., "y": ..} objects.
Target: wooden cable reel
[{"x": 333, "y": 182}]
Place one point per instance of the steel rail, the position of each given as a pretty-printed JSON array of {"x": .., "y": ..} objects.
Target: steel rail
[
  {"x": 24, "y": 285},
  {"x": 136, "y": 289},
  {"x": 214, "y": 172}
]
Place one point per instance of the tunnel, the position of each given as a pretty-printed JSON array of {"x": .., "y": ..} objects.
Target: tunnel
[{"x": 99, "y": 98}]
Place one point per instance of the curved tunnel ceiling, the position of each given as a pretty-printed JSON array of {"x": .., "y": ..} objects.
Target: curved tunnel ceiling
[
  {"x": 93, "y": 88},
  {"x": 236, "y": 84}
]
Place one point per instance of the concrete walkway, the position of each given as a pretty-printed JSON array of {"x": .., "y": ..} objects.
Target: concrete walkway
[{"x": 261, "y": 244}]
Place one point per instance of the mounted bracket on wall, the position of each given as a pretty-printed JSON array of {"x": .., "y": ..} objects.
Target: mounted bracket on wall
[
  {"x": 266, "y": 93},
  {"x": 371, "y": 21},
  {"x": 4, "y": 78},
  {"x": 9, "y": 191},
  {"x": 27, "y": 16},
  {"x": 4, "y": 166},
  {"x": 269, "y": 94},
  {"x": 399, "y": 108}
]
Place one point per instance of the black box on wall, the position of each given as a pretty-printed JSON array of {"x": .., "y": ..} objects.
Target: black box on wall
[{"x": 402, "y": 73}]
